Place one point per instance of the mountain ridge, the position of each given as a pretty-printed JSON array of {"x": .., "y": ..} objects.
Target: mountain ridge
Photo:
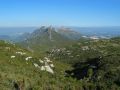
[{"x": 49, "y": 37}]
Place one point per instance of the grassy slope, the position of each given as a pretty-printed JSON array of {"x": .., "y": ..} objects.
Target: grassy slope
[
  {"x": 18, "y": 71},
  {"x": 106, "y": 73}
]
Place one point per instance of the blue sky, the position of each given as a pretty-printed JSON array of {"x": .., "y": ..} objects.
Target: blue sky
[{"x": 19, "y": 13}]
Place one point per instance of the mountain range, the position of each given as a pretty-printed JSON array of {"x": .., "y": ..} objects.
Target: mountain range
[
  {"x": 19, "y": 33},
  {"x": 50, "y": 37}
]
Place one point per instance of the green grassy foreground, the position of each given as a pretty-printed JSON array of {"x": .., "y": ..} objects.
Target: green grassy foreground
[
  {"x": 15, "y": 73},
  {"x": 86, "y": 65}
]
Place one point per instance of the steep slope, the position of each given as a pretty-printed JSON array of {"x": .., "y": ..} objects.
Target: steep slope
[
  {"x": 73, "y": 35},
  {"x": 45, "y": 38},
  {"x": 20, "y": 38},
  {"x": 20, "y": 72}
]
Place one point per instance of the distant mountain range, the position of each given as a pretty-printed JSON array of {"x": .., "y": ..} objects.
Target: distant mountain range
[
  {"x": 69, "y": 33},
  {"x": 98, "y": 31},
  {"x": 14, "y": 33},
  {"x": 49, "y": 37},
  {"x": 18, "y": 34}
]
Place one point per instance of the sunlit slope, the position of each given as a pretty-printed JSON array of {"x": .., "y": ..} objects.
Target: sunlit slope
[
  {"x": 17, "y": 72},
  {"x": 93, "y": 61}
]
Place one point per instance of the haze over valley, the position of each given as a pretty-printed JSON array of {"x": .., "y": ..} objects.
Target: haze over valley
[{"x": 10, "y": 33}]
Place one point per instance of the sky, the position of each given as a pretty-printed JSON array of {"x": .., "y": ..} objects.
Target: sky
[{"x": 82, "y": 13}]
